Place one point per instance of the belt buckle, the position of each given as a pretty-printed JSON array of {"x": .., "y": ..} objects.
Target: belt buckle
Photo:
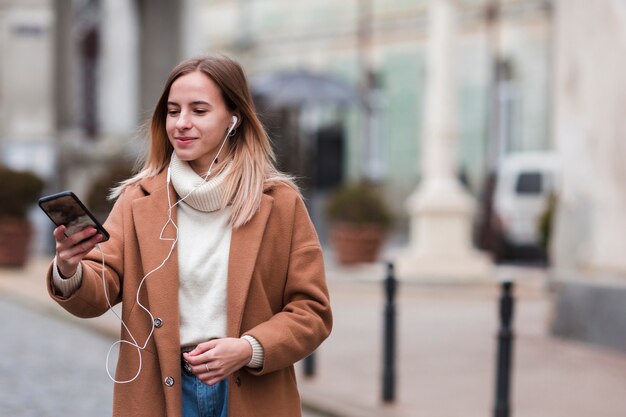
[
  {"x": 184, "y": 364},
  {"x": 187, "y": 368}
]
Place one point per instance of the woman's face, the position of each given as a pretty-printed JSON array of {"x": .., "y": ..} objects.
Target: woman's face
[{"x": 197, "y": 120}]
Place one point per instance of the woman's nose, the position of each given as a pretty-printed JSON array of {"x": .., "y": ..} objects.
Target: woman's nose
[{"x": 183, "y": 122}]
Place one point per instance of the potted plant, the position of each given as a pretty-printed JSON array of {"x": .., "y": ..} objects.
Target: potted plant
[
  {"x": 359, "y": 220},
  {"x": 19, "y": 190}
]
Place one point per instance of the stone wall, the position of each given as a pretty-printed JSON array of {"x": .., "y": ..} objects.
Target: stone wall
[
  {"x": 589, "y": 277},
  {"x": 590, "y": 134}
]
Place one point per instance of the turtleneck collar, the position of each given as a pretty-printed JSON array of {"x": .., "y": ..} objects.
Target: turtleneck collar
[{"x": 205, "y": 196}]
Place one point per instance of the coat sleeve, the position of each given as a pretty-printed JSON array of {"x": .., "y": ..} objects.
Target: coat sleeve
[
  {"x": 306, "y": 318},
  {"x": 92, "y": 298}
]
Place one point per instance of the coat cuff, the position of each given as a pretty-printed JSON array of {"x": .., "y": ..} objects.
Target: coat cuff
[
  {"x": 66, "y": 286},
  {"x": 258, "y": 354}
]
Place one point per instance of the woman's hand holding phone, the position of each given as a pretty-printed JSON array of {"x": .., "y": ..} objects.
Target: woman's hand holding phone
[
  {"x": 77, "y": 231},
  {"x": 70, "y": 250}
]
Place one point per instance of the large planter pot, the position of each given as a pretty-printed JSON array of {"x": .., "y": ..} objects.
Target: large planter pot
[
  {"x": 357, "y": 243},
  {"x": 15, "y": 236}
]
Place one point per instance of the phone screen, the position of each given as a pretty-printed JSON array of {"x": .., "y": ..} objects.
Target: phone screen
[{"x": 66, "y": 209}]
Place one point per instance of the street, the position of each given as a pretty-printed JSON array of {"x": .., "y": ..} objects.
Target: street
[{"x": 51, "y": 367}]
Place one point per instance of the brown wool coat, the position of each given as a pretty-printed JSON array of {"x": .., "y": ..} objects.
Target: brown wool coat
[{"x": 276, "y": 293}]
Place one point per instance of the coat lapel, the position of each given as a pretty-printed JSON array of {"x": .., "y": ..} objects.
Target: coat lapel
[
  {"x": 244, "y": 247},
  {"x": 161, "y": 284}
]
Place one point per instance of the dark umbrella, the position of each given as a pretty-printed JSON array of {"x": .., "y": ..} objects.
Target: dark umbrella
[{"x": 300, "y": 87}]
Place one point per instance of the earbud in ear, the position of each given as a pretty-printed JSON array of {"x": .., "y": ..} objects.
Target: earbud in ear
[{"x": 234, "y": 119}]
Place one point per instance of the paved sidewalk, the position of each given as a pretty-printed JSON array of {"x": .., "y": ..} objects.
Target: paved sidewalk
[{"x": 445, "y": 353}]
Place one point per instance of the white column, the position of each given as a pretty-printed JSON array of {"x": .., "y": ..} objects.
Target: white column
[
  {"x": 26, "y": 86},
  {"x": 441, "y": 210},
  {"x": 26, "y": 89},
  {"x": 589, "y": 125},
  {"x": 193, "y": 40},
  {"x": 374, "y": 167},
  {"x": 118, "y": 86}
]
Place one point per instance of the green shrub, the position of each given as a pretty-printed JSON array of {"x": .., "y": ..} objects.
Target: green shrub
[
  {"x": 19, "y": 190},
  {"x": 358, "y": 204}
]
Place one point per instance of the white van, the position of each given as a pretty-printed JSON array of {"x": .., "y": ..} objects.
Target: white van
[{"x": 524, "y": 183}]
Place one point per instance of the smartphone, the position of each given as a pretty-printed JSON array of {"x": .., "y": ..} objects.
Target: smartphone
[{"x": 66, "y": 209}]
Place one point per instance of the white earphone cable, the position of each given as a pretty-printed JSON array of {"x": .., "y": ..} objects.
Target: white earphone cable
[{"x": 174, "y": 240}]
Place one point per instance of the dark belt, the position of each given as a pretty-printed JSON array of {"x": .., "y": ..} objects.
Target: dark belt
[
  {"x": 186, "y": 349},
  {"x": 184, "y": 365}
]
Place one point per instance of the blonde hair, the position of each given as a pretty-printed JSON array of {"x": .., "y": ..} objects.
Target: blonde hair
[{"x": 252, "y": 155}]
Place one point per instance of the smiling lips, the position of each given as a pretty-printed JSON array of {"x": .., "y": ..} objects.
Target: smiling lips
[{"x": 184, "y": 140}]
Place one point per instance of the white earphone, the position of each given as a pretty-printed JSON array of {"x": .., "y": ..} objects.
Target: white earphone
[{"x": 234, "y": 119}]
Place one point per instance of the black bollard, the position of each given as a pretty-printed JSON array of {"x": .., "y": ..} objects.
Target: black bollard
[
  {"x": 389, "y": 371},
  {"x": 505, "y": 352},
  {"x": 309, "y": 365}
]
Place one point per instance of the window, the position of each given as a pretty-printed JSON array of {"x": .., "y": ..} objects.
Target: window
[{"x": 529, "y": 183}]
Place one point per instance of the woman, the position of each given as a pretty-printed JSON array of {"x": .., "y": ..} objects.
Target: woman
[{"x": 213, "y": 257}]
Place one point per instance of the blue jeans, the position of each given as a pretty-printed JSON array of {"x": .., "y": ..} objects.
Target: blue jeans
[{"x": 201, "y": 400}]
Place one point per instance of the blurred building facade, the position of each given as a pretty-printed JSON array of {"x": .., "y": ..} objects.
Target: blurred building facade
[
  {"x": 502, "y": 66},
  {"x": 105, "y": 61},
  {"x": 78, "y": 78}
]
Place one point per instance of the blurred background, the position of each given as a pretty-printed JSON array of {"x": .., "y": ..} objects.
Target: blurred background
[
  {"x": 505, "y": 113},
  {"x": 341, "y": 85}
]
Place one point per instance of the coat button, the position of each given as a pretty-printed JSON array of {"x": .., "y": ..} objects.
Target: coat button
[
  {"x": 169, "y": 381},
  {"x": 238, "y": 381},
  {"x": 158, "y": 322}
]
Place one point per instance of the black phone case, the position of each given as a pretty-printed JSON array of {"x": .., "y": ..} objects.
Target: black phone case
[{"x": 66, "y": 209}]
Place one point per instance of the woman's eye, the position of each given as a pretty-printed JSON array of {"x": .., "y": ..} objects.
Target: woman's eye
[
  {"x": 172, "y": 112},
  {"x": 199, "y": 111}
]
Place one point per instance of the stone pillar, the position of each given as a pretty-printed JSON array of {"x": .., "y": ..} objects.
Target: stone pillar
[
  {"x": 159, "y": 46},
  {"x": 192, "y": 43},
  {"x": 440, "y": 208},
  {"x": 26, "y": 89},
  {"x": 589, "y": 126},
  {"x": 118, "y": 91}
]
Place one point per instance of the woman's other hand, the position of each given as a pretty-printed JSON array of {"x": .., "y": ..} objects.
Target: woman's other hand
[{"x": 216, "y": 359}]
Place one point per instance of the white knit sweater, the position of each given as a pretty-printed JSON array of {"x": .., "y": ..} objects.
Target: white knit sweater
[{"x": 203, "y": 244}]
